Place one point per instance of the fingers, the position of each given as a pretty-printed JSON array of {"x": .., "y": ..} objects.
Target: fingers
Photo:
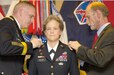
[
  {"x": 36, "y": 42},
  {"x": 39, "y": 42},
  {"x": 70, "y": 45},
  {"x": 74, "y": 45}
]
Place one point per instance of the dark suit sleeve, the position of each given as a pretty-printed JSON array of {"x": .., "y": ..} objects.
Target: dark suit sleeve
[
  {"x": 33, "y": 66},
  {"x": 74, "y": 70},
  {"x": 9, "y": 45}
]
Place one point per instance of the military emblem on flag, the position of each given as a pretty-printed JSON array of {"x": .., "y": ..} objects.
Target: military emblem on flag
[{"x": 79, "y": 12}]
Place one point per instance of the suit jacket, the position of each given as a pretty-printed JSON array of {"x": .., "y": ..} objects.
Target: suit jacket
[
  {"x": 101, "y": 57},
  {"x": 11, "y": 47},
  {"x": 64, "y": 62}
]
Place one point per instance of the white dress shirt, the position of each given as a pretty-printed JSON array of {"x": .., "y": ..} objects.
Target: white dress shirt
[
  {"x": 102, "y": 28},
  {"x": 54, "y": 48}
]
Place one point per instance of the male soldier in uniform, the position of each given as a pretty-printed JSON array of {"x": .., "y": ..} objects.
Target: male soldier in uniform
[{"x": 13, "y": 48}]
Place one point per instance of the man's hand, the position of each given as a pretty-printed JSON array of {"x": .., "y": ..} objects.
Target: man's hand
[
  {"x": 74, "y": 45},
  {"x": 36, "y": 42}
]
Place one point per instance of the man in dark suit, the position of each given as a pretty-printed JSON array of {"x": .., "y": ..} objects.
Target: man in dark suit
[
  {"x": 54, "y": 57},
  {"x": 13, "y": 48},
  {"x": 101, "y": 57}
]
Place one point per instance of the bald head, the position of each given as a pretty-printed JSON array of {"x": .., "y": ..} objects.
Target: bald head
[
  {"x": 24, "y": 13},
  {"x": 22, "y": 4}
]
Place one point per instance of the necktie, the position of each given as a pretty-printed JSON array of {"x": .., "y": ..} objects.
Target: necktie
[
  {"x": 52, "y": 53},
  {"x": 95, "y": 39}
]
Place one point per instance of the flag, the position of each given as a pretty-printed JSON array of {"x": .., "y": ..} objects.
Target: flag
[
  {"x": 1, "y": 12},
  {"x": 42, "y": 11},
  {"x": 79, "y": 12},
  {"x": 110, "y": 5},
  {"x": 12, "y": 5},
  {"x": 8, "y": 7},
  {"x": 33, "y": 27}
]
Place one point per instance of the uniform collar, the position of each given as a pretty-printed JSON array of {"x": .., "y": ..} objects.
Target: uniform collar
[
  {"x": 54, "y": 48},
  {"x": 17, "y": 23}
]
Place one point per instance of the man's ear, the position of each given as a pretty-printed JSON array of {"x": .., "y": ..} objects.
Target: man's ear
[{"x": 99, "y": 14}]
